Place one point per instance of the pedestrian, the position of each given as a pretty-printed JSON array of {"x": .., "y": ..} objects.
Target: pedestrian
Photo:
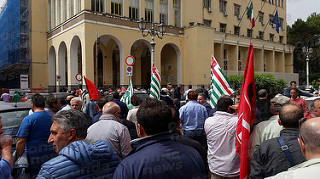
[
  {"x": 5, "y": 96},
  {"x": 202, "y": 99},
  {"x": 193, "y": 116},
  {"x": 6, "y": 159},
  {"x": 278, "y": 154},
  {"x": 295, "y": 99},
  {"x": 110, "y": 128},
  {"x": 33, "y": 134},
  {"x": 99, "y": 105},
  {"x": 156, "y": 154},
  {"x": 315, "y": 109},
  {"x": 77, "y": 158},
  {"x": 220, "y": 133},
  {"x": 310, "y": 148},
  {"x": 293, "y": 84},
  {"x": 53, "y": 105},
  {"x": 263, "y": 104}
]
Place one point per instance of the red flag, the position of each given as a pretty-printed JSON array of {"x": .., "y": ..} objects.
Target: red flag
[
  {"x": 246, "y": 114},
  {"x": 92, "y": 89}
]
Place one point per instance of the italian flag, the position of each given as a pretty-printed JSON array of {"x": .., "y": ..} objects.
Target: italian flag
[
  {"x": 219, "y": 83},
  {"x": 250, "y": 14}
]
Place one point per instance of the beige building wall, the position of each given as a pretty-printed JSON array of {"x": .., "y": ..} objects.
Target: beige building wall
[{"x": 182, "y": 56}]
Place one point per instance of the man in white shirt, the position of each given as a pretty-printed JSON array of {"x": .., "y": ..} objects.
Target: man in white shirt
[{"x": 220, "y": 131}]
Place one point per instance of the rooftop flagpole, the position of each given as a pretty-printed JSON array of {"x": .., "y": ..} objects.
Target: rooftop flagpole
[{"x": 244, "y": 12}]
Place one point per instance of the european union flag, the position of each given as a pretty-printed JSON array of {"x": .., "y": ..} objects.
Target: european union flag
[{"x": 275, "y": 20}]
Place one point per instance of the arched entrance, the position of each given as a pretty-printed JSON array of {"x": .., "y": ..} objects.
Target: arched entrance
[
  {"x": 52, "y": 70},
  {"x": 75, "y": 60},
  {"x": 142, "y": 67},
  {"x": 107, "y": 61},
  {"x": 170, "y": 65},
  {"x": 62, "y": 66}
]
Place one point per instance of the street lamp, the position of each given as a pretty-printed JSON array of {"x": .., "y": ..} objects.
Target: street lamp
[
  {"x": 308, "y": 51},
  {"x": 152, "y": 32}
]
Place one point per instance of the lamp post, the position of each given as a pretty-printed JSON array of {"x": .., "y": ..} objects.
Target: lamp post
[
  {"x": 152, "y": 32},
  {"x": 308, "y": 51}
]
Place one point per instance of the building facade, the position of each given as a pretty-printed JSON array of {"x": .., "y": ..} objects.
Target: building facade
[{"x": 93, "y": 38}]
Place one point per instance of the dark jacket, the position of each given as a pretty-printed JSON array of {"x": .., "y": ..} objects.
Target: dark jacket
[
  {"x": 82, "y": 160},
  {"x": 177, "y": 93},
  {"x": 208, "y": 107},
  {"x": 301, "y": 93},
  {"x": 269, "y": 159},
  {"x": 264, "y": 107},
  {"x": 159, "y": 156}
]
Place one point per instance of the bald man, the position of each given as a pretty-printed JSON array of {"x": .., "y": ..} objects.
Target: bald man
[
  {"x": 310, "y": 147},
  {"x": 110, "y": 128}
]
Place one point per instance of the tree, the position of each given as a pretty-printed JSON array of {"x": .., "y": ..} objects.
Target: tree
[{"x": 306, "y": 34}]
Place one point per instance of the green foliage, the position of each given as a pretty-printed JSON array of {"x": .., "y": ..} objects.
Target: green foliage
[
  {"x": 262, "y": 81},
  {"x": 314, "y": 84},
  {"x": 306, "y": 33}
]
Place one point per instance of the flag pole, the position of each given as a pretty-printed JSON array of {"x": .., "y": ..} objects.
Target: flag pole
[
  {"x": 244, "y": 13},
  {"x": 269, "y": 21}
]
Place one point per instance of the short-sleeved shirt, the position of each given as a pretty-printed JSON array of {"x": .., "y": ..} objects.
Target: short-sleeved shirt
[
  {"x": 5, "y": 97},
  {"x": 36, "y": 129},
  {"x": 16, "y": 97},
  {"x": 5, "y": 168},
  {"x": 193, "y": 116}
]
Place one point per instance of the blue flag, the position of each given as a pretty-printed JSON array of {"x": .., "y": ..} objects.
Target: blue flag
[{"x": 275, "y": 20}]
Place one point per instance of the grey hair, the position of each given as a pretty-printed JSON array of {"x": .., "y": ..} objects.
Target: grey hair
[
  {"x": 72, "y": 119},
  {"x": 76, "y": 99}
]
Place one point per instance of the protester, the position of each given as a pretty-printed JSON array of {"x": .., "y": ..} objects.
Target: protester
[
  {"x": 165, "y": 97},
  {"x": 33, "y": 135},
  {"x": 295, "y": 99},
  {"x": 185, "y": 94},
  {"x": 155, "y": 154},
  {"x": 5, "y": 96},
  {"x": 76, "y": 158},
  {"x": 170, "y": 90},
  {"x": 16, "y": 97},
  {"x": 293, "y": 84},
  {"x": 263, "y": 104},
  {"x": 202, "y": 99},
  {"x": 90, "y": 108},
  {"x": 132, "y": 114},
  {"x": 278, "y": 154},
  {"x": 310, "y": 148},
  {"x": 268, "y": 129},
  {"x": 99, "y": 105},
  {"x": 123, "y": 106},
  {"x": 315, "y": 109},
  {"x": 220, "y": 132},
  {"x": 76, "y": 103},
  {"x": 53, "y": 105},
  {"x": 193, "y": 116},
  {"x": 6, "y": 159},
  {"x": 110, "y": 128},
  {"x": 68, "y": 100}
]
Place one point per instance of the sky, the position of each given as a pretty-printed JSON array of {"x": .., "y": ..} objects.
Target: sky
[{"x": 295, "y": 9}]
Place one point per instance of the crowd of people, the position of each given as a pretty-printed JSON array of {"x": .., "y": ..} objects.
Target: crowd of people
[{"x": 164, "y": 139}]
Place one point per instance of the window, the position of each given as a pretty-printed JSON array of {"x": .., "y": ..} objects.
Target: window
[
  {"x": 270, "y": 18},
  {"x": 78, "y": 6},
  {"x": 223, "y": 6},
  {"x": 207, "y": 3},
  {"x": 53, "y": 13},
  {"x": 97, "y": 5},
  {"x": 282, "y": 3},
  {"x": 225, "y": 54},
  {"x": 237, "y": 10},
  {"x": 116, "y": 7},
  {"x": 249, "y": 32},
  {"x": 281, "y": 23},
  {"x": 261, "y": 35},
  {"x": 281, "y": 39},
  {"x": 207, "y": 22},
  {"x": 225, "y": 64},
  {"x": 260, "y": 18},
  {"x": 239, "y": 65},
  {"x": 271, "y": 37},
  {"x": 134, "y": 9},
  {"x": 177, "y": 13},
  {"x": 236, "y": 30},
  {"x": 223, "y": 27},
  {"x": 164, "y": 11},
  {"x": 149, "y": 6}
]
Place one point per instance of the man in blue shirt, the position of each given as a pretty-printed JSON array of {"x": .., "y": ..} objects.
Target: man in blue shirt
[
  {"x": 193, "y": 116},
  {"x": 33, "y": 134}
]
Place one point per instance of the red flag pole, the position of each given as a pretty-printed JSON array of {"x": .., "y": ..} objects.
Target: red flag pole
[
  {"x": 92, "y": 89},
  {"x": 246, "y": 114}
]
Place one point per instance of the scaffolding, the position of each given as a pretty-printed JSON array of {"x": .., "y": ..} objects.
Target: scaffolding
[{"x": 14, "y": 43}]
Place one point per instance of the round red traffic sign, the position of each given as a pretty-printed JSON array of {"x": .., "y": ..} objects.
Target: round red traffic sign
[
  {"x": 78, "y": 77},
  {"x": 129, "y": 60}
]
